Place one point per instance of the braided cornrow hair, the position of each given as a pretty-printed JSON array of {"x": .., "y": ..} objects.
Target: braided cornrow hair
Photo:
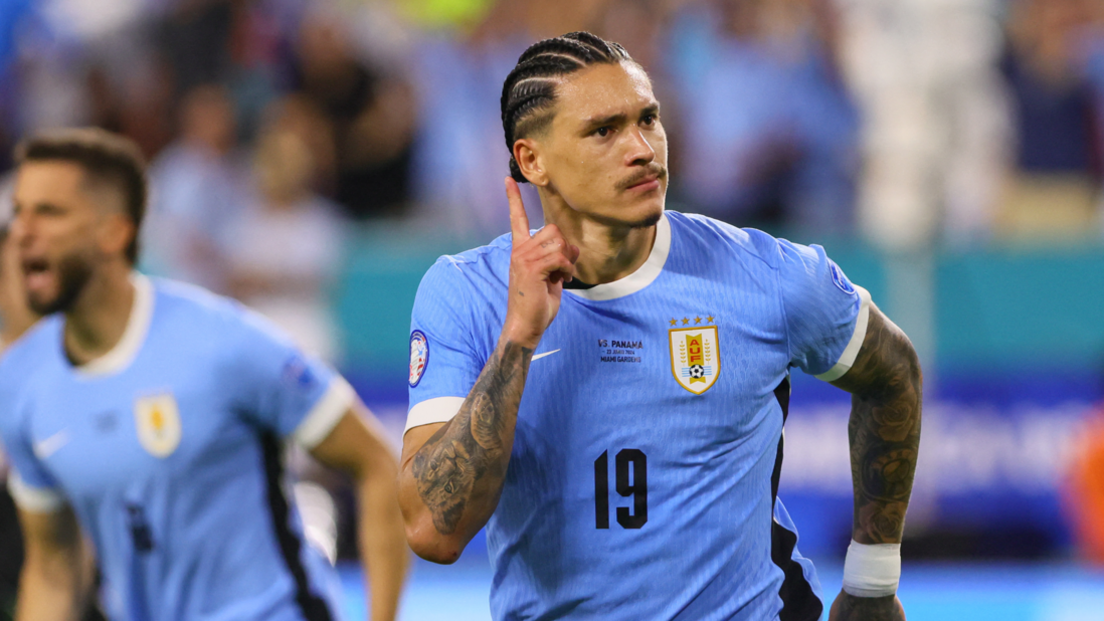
[{"x": 531, "y": 87}]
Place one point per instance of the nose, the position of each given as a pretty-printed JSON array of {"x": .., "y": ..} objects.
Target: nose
[{"x": 640, "y": 151}]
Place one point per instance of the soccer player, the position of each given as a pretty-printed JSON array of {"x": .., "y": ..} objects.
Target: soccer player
[
  {"x": 607, "y": 395},
  {"x": 153, "y": 415}
]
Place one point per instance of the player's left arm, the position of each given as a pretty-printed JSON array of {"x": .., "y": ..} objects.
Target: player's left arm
[
  {"x": 886, "y": 386},
  {"x": 356, "y": 445}
]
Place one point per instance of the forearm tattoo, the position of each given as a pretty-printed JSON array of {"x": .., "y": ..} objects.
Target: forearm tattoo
[
  {"x": 886, "y": 385},
  {"x": 466, "y": 459}
]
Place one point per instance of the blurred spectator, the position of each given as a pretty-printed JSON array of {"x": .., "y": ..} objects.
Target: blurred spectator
[
  {"x": 771, "y": 134},
  {"x": 935, "y": 117},
  {"x": 461, "y": 156},
  {"x": 286, "y": 244},
  {"x": 239, "y": 44},
  {"x": 13, "y": 17},
  {"x": 197, "y": 190},
  {"x": 372, "y": 112},
  {"x": 1059, "y": 161}
]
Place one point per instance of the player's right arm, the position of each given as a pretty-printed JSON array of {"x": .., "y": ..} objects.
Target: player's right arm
[
  {"x": 452, "y": 473},
  {"x": 56, "y": 574}
]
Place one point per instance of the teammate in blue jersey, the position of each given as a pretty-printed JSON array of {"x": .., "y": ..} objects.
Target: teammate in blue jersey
[
  {"x": 606, "y": 395},
  {"x": 153, "y": 414}
]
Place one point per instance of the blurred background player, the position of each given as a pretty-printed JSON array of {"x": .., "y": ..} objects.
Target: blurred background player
[
  {"x": 15, "y": 319},
  {"x": 164, "y": 409},
  {"x": 517, "y": 421}
]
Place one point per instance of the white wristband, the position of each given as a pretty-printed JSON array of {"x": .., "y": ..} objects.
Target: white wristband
[{"x": 872, "y": 570}]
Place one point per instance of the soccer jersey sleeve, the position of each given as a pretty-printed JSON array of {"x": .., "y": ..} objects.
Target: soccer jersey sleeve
[
  {"x": 32, "y": 487},
  {"x": 286, "y": 391},
  {"x": 825, "y": 314},
  {"x": 444, "y": 361}
]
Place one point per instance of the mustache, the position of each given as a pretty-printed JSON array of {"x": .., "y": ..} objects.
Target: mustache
[{"x": 659, "y": 171}]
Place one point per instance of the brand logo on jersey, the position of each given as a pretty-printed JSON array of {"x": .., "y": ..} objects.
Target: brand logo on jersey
[
  {"x": 157, "y": 420},
  {"x": 298, "y": 372},
  {"x": 838, "y": 278},
  {"x": 695, "y": 357},
  {"x": 419, "y": 356}
]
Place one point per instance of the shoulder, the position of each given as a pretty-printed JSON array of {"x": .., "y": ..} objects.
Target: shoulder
[
  {"x": 199, "y": 304},
  {"x": 705, "y": 234},
  {"x": 33, "y": 350},
  {"x": 191, "y": 309},
  {"x": 36, "y": 345},
  {"x": 471, "y": 268}
]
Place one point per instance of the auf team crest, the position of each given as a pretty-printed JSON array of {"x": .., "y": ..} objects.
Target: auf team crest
[
  {"x": 157, "y": 419},
  {"x": 695, "y": 357}
]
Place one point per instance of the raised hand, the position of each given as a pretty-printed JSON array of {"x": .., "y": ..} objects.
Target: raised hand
[{"x": 539, "y": 267}]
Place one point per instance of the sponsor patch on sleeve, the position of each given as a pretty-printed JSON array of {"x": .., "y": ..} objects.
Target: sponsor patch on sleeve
[
  {"x": 419, "y": 356},
  {"x": 838, "y": 278}
]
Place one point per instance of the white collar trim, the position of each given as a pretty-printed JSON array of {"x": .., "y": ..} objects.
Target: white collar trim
[
  {"x": 124, "y": 352},
  {"x": 642, "y": 277}
]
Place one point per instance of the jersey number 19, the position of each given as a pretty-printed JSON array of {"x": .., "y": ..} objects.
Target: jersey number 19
[{"x": 630, "y": 481}]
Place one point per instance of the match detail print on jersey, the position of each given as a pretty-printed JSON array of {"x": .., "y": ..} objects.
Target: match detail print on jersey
[
  {"x": 695, "y": 357},
  {"x": 157, "y": 420}
]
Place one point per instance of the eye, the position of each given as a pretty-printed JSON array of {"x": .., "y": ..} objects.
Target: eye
[
  {"x": 649, "y": 119},
  {"x": 603, "y": 131}
]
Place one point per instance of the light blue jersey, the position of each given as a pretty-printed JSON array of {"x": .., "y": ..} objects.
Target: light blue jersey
[
  {"x": 168, "y": 448},
  {"x": 643, "y": 479}
]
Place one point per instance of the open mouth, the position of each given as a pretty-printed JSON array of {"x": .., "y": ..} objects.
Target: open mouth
[{"x": 35, "y": 272}]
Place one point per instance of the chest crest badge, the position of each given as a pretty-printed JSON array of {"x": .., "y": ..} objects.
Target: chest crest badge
[
  {"x": 695, "y": 357},
  {"x": 157, "y": 420}
]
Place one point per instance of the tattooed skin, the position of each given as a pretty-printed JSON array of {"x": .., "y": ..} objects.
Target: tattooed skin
[
  {"x": 867, "y": 608},
  {"x": 464, "y": 462},
  {"x": 886, "y": 386}
]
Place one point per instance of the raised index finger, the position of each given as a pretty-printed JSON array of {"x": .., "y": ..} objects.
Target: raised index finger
[{"x": 519, "y": 222}]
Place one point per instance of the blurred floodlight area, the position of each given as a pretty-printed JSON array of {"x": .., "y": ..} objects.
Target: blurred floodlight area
[{"x": 312, "y": 158}]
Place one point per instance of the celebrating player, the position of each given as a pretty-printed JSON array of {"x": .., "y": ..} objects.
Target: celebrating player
[
  {"x": 153, "y": 414},
  {"x": 625, "y": 457}
]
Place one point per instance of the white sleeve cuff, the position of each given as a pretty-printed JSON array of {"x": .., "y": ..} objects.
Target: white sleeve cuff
[
  {"x": 847, "y": 358},
  {"x": 325, "y": 414},
  {"x": 34, "y": 499},
  {"x": 439, "y": 410}
]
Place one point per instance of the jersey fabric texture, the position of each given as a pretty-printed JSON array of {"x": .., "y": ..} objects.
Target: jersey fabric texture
[
  {"x": 168, "y": 448},
  {"x": 643, "y": 480}
]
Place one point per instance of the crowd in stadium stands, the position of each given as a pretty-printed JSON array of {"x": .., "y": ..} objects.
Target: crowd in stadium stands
[{"x": 907, "y": 121}]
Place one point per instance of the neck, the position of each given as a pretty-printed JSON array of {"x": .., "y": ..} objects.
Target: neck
[
  {"x": 606, "y": 252},
  {"x": 96, "y": 322}
]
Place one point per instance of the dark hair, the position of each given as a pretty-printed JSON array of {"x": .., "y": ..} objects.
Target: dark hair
[
  {"x": 530, "y": 89},
  {"x": 105, "y": 157}
]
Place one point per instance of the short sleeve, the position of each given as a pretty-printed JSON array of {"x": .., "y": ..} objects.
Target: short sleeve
[
  {"x": 286, "y": 391},
  {"x": 30, "y": 484},
  {"x": 826, "y": 315},
  {"x": 444, "y": 361}
]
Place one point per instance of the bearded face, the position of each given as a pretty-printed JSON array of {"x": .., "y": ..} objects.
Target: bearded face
[{"x": 57, "y": 228}]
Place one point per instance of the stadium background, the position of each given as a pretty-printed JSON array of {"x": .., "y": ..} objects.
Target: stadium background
[{"x": 313, "y": 158}]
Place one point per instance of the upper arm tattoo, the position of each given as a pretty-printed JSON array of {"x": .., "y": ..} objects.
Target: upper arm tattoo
[
  {"x": 466, "y": 459},
  {"x": 886, "y": 385}
]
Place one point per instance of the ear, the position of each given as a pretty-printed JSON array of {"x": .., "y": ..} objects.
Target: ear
[
  {"x": 116, "y": 233},
  {"x": 528, "y": 156}
]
